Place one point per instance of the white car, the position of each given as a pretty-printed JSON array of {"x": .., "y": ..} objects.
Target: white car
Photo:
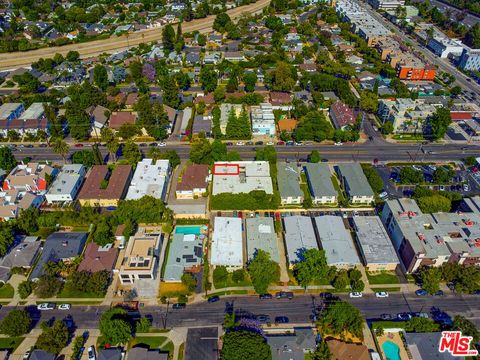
[
  {"x": 381, "y": 294},
  {"x": 64, "y": 307},
  {"x": 240, "y": 143},
  {"x": 91, "y": 353},
  {"x": 45, "y": 306},
  {"x": 162, "y": 144},
  {"x": 418, "y": 168},
  {"x": 338, "y": 144},
  {"x": 356, "y": 294},
  {"x": 270, "y": 143},
  {"x": 466, "y": 187},
  {"x": 26, "y": 356},
  {"x": 383, "y": 195}
]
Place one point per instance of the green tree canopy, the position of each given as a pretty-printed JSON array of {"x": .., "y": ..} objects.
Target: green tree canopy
[
  {"x": 430, "y": 278},
  {"x": 340, "y": 317},
  {"x": 16, "y": 323},
  {"x": 115, "y": 326},
  {"x": 440, "y": 121},
  {"x": 245, "y": 345},
  {"x": 7, "y": 160},
  {"x": 53, "y": 338},
  {"x": 313, "y": 266},
  {"x": 100, "y": 76},
  {"x": 263, "y": 271}
]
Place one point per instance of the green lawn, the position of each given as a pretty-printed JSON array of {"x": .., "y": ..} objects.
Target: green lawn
[
  {"x": 10, "y": 343},
  {"x": 386, "y": 289},
  {"x": 180, "y": 351},
  {"x": 6, "y": 291},
  {"x": 153, "y": 342},
  {"x": 383, "y": 278},
  {"x": 67, "y": 292},
  {"x": 337, "y": 188},
  {"x": 306, "y": 192},
  {"x": 230, "y": 283},
  {"x": 230, "y": 292}
]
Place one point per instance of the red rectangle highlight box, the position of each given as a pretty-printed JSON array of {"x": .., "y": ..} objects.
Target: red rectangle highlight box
[{"x": 236, "y": 170}]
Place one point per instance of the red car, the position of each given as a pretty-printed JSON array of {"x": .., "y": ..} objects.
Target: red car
[
  {"x": 78, "y": 145},
  {"x": 277, "y": 216},
  {"x": 240, "y": 214},
  {"x": 281, "y": 143}
]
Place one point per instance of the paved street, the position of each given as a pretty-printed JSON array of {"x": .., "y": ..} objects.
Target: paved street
[
  {"x": 376, "y": 149},
  {"x": 298, "y": 310}
]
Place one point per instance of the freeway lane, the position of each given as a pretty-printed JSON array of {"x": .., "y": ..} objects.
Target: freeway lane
[
  {"x": 117, "y": 43},
  {"x": 347, "y": 152},
  {"x": 298, "y": 310}
]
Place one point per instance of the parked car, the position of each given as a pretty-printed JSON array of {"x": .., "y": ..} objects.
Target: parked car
[
  {"x": 179, "y": 306},
  {"x": 153, "y": 144},
  {"x": 249, "y": 143},
  {"x": 213, "y": 299},
  {"x": 421, "y": 314},
  {"x": 240, "y": 143},
  {"x": 78, "y": 145},
  {"x": 466, "y": 187},
  {"x": 387, "y": 317},
  {"x": 324, "y": 160},
  {"x": 404, "y": 316},
  {"x": 270, "y": 143},
  {"x": 381, "y": 294},
  {"x": 383, "y": 195},
  {"x": 284, "y": 295},
  {"x": 259, "y": 143},
  {"x": 338, "y": 144},
  {"x": 265, "y": 296},
  {"x": 416, "y": 167},
  {"x": 64, "y": 307},
  {"x": 439, "y": 293},
  {"x": 280, "y": 142},
  {"x": 263, "y": 318},
  {"x": 162, "y": 144},
  {"x": 356, "y": 294},
  {"x": 26, "y": 356},
  {"x": 91, "y": 353},
  {"x": 421, "y": 292},
  {"x": 46, "y": 306},
  {"x": 281, "y": 320}
]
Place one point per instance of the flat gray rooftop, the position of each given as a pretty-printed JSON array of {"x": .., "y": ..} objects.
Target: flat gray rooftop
[
  {"x": 299, "y": 236},
  {"x": 261, "y": 236},
  {"x": 287, "y": 178}
]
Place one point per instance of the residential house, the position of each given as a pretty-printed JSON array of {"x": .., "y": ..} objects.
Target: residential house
[
  {"x": 261, "y": 235},
  {"x": 263, "y": 120},
  {"x": 31, "y": 177},
  {"x": 202, "y": 343},
  {"x": 59, "y": 246},
  {"x": 66, "y": 185},
  {"x": 22, "y": 255},
  {"x": 202, "y": 125},
  {"x": 212, "y": 58},
  {"x": 98, "y": 258},
  {"x": 292, "y": 345},
  {"x": 424, "y": 346},
  {"x": 140, "y": 353},
  {"x": 14, "y": 200},
  {"x": 225, "y": 112},
  {"x": 122, "y": 117},
  {"x": 110, "y": 354},
  {"x": 376, "y": 248},
  {"x": 99, "y": 115},
  {"x": 299, "y": 237},
  {"x": 234, "y": 56},
  {"x": 355, "y": 183},
  {"x": 241, "y": 177},
  {"x": 227, "y": 244},
  {"x": 342, "y": 116},
  {"x": 340, "y": 350},
  {"x": 337, "y": 242},
  {"x": 194, "y": 182},
  {"x": 104, "y": 187},
  {"x": 431, "y": 239},
  {"x": 140, "y": 260},
  {"x": 9, "y": 112},
  {"x": 32, "y": 117},
  {"x": 287, "y": 125},
  {"x": 150, "y": 179},
  {"x": 281, "y": 100},
  {"x": 41, "y": 355},
  {"x": 192, "y": 58},
  {"x": 319, "y": 179},
  {"x": 185, "y": 254},
  {"x": 288, "y": 184}
]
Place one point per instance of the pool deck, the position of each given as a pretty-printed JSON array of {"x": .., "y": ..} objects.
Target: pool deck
[{"x": 396, "y": 339}]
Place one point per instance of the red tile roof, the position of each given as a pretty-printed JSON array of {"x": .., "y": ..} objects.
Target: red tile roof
[
  {"x": 117, "y": 184},
  {"x": 280, "y": 98},
  {"x": 341, "y": 114},
  {"x": 98, "y": 259},
  {"x": 194, "y": 177},
  {"x": 123, "y": 117},
  {"x": 461, "y": 115}
]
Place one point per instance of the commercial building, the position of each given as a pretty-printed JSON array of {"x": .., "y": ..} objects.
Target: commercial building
[
  {"x": 140, "y": 260},
  {"x": 341, "y": 115},
  {"x": 386, "y": 4},
  {"x": 241, "y": 177},
  {"x": 60, "y": 246},
  {"x": 431, "y": 239},
  {"x": 320, "y": 184},
  {"x": 261, "y": 235},
  {"x": 227, "y": 244},
  {"x": 150, "y": 178},
  {"x": 194, "y": 182},
  {"x": 104, "y": 187},
  {"x": 31, "y": 177},
  {"x": 185, "y": 254},
  {"x": 336, "y": 241},
  {"x": 67, "y": 184},
  {"x": 413, "y": 69},
  {"x": 299, "y": 236},
  {"x": 288, "y": 184},
  {"x": 444, "y": 46},
  {"x": 263, "y": 120},
  {"x": 355, "y": 183},
  {"x": 375, "y": 246},
  {"x": 470, "y": 59}
]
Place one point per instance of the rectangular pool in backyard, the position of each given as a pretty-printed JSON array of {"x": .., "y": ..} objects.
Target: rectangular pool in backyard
[{"x": 196, "y": 230}]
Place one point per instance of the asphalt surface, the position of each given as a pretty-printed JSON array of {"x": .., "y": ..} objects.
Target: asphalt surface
[
  {"x": 375, "y": 149},
  {"x": 469, "y": 20},
  {"x": 298, "y": 310}
]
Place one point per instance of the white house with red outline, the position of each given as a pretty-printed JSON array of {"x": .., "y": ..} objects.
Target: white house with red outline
[{"x": 237, "y": 177}]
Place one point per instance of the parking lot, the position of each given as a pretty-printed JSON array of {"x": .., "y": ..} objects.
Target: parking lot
[{"x": 391, "y": 180}]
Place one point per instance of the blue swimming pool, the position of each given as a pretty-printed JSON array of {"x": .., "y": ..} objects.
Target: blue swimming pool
[
  {"x": 196, "y": 230},
  {"x": 391, "y": 350}
]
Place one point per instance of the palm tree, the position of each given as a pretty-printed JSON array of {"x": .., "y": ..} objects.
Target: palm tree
[
  {"x": 61, "y": 148},
  {"x": 108, "y": 137}
]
